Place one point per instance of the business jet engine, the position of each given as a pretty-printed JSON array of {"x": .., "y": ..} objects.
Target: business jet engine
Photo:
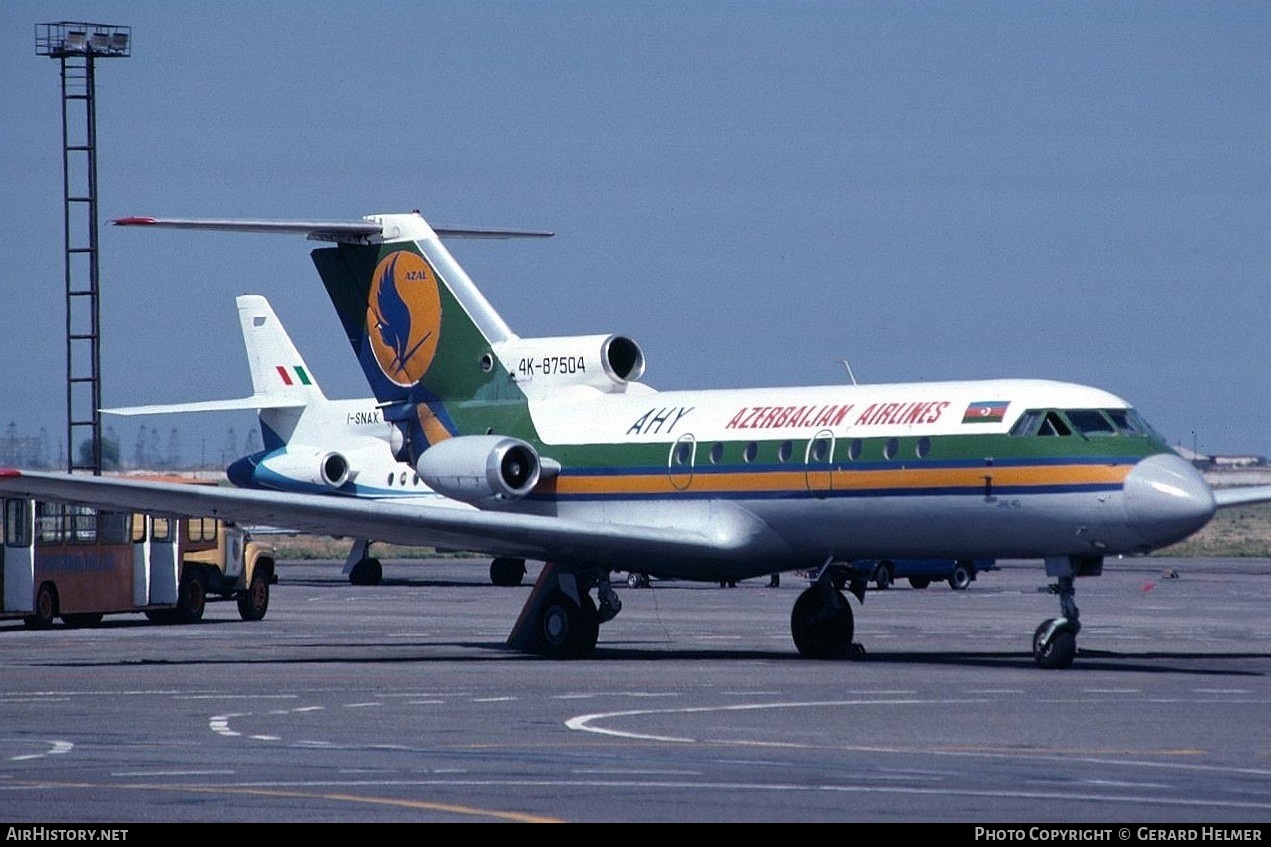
[
  {"x": 327, "y": 468},
  {"x": 483, "y": 467},
  {"x": 612, "y": 364}
]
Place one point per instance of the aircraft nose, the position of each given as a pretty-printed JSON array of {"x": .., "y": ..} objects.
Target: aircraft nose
[{"x": 1166, "y": 500}]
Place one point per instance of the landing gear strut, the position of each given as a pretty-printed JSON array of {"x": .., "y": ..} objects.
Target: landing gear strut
[
  {"x": 1055, "y": 640},
  {"x": 560, "y": 620}
]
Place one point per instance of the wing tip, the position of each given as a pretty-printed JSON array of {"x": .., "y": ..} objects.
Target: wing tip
[{"x": 134, "y": 220}]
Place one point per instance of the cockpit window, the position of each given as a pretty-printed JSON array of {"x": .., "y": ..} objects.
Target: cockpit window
[
  {"x": 1091, "y": 422},
  {"x": 1027, "y": 423},
  {"x": 1128, "y": 422},
  {"x": 1053, "y": 424},
  {"x": 1040, "y": 422}
]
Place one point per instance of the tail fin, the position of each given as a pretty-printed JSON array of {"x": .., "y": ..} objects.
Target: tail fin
[
  {"x": 421, "y": 330},
  {"x": 282, "y": 385},
  {"x": 423, "y": 333},
  {"x": 277, "y": 368}
]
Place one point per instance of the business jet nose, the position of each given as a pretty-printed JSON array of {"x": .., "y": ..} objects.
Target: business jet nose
[{"x": 1166, "y": 500}]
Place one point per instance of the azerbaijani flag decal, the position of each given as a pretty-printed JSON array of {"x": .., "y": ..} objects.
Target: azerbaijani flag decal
[{"x": 987, "y": 411}]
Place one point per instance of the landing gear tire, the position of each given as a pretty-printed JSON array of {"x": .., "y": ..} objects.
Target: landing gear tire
[
  {"x": 253, "y": 605},
  {"x": 1058, "y": 651},
  {"x": 883, "y": 577},
  {"x": 366, "y": 572},
  {"x": 566, "y": 629},
  {"x": 822, "y": 624},
  {"x": 45, "y": 608},
  {"x": 505, "y": 571},
  {"x": 191, "y": 598},
  {"x": 637, "y": 580},
  {"x": 960, "y": 579}
]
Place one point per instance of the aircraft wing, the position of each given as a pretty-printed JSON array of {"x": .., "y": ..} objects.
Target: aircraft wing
[
  {"x": 495, "y": 533},
  {"x": 1242, "y": 495}
]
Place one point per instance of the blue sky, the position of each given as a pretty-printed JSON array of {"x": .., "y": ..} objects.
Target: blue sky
[{"x": 753, "y": 190}]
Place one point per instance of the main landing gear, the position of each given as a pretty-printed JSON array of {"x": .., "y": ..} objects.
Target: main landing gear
[
  {"x": 560, "y": 620},
  {"x": 1055, "y": 640},
  {"x": 821, "y": 621},
  {"x": 364, "y": 569},
  {"x": 360, "y": 567}
]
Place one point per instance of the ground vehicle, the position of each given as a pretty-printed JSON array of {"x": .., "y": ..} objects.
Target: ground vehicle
[
  {"x": 79, "y": 564},
  {"x": 959, "y": 573}
]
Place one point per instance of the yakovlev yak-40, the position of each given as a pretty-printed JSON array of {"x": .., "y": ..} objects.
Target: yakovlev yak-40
[{"x": 571, "y": 460}]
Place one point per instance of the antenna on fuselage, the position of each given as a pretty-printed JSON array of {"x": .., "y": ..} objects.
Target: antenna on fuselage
[{"x": 850, "y": 375}]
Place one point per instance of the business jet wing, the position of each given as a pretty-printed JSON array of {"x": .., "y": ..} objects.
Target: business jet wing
[{"x": 493, "y": 532}]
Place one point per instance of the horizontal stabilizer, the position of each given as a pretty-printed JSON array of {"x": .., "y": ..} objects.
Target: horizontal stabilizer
[
  {"x": 363, "y": 230},
  {"x": 253, "y": 403}
]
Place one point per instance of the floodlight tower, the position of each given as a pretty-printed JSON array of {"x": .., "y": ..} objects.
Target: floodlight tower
[{"x": 77, "y": 46}]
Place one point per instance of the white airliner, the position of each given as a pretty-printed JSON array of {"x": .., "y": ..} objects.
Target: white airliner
[
  {"x": 569, "y": 459},
  {"x": 312, "y": 444}
]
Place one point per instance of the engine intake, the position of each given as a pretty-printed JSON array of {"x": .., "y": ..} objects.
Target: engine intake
[
  {"x": 608, "y": 363},
  {"x": 313, "y": 467},
  {"x": 481, "y": 467}
]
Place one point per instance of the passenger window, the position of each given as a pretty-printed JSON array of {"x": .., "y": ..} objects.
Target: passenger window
[
  {"x": 113, "y": 527},
  {"x": 820, "y": 450},
  {"x": 752, "y": 450},
  {"x": 854, "y": 449},
  {"x": 683, "y": 452},
  {"x": 17, "y": 532},
  {"x": 717, "y": 453},
  {"x": 890, "y": 448},
  {"x": 786, "y": 450},
  {"x": 48, "y": 523},
  {"x": 923, "y": 447}
]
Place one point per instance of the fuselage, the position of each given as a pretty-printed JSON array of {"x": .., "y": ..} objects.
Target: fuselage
[{"x": 799, "y": 476}]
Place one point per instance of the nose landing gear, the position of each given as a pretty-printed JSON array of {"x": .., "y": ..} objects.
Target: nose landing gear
[{"x": 1055, "y": 640}]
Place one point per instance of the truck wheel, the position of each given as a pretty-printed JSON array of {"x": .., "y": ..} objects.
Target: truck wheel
[
  {"x": 191, "y": 598},
  {"x": 45, "y": 608},
  {"x": 960, "y": 579},
  {"x": 883, "y": 577},
  {"x": 253, "y": 604}
]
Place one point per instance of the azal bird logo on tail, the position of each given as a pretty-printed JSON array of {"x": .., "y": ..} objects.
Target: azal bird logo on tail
[{"x": 403, "y": 317}]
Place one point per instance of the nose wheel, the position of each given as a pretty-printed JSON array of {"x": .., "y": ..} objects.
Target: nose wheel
[{"x": 1055, "y": 640}]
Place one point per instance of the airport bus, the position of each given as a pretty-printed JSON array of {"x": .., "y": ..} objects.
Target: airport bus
[{"x": 78, "y": 564}]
